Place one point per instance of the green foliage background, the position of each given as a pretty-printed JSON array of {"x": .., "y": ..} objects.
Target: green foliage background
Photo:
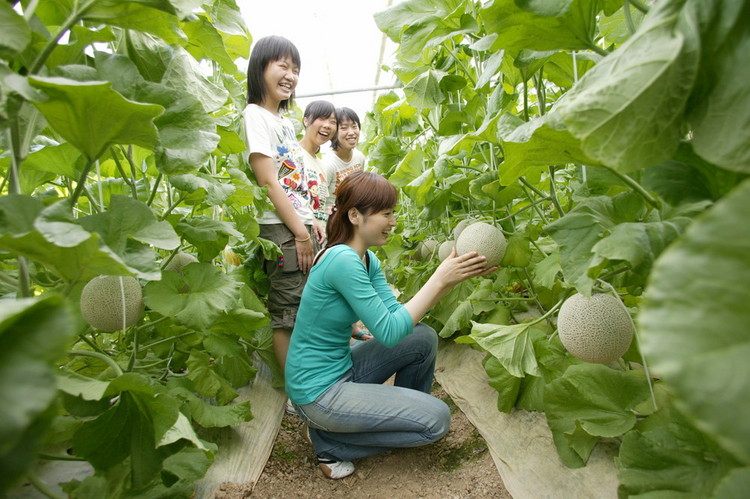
[
  {"x": 121, "y": 146},
  {"x": 609, "y": 140}
]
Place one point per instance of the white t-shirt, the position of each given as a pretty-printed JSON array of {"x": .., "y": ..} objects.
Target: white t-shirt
[
  {"x": 318, "y": 185},
  {"x": 274, "y": 136},
  {"x": 336, "y": 170}
]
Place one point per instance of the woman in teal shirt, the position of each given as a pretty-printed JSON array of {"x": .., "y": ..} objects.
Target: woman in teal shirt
[{"x": 338, "y": 390}]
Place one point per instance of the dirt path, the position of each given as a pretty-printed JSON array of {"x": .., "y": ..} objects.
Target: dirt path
[{"x": 458, "y": 466}]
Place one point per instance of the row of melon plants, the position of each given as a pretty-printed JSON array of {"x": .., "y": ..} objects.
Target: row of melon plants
[
  {"x": 609, "y": 141},
  {"x": 120, "y": 156}
]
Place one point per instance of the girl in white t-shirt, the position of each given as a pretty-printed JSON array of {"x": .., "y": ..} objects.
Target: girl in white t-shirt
[
  {"x": 344, "y": 158},
  {"x": 320, "y": 124},
  {"x": 277, "y": 161}
]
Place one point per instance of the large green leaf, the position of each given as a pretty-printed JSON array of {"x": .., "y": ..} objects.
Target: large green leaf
[
  {"x": 591, "y": 401},
  {"x": 628, "y": 110},
  {"x": 670, "y": 458},
  {"x": 577, "y": 233},
  {"x": 196, "y": 298},
  {"x": 568, "y": 25},
  {"x": 151, "y": 16},
  {"x": 92, "y": 116},
  {"x": 511, "y": 345},
  {"x": 539, "y": 143},
  {"x": 187, "y": 134},
  {"x": 208, "y": 236},
  {"x": 205, "y": 42},
  {"x": 126, "y": 219},
  {"x": 184, "y": 73},
  {"x": 424, "y": 91},
  {"x": 694, "y": 321},
  {"x": 15, "y": 33},
  {"x": 394, "y": 20},
  {"x": 722, "y": 119},
  {"x": 33, "y": 334},
  {"x": 202, "y": 187},
  {"x": 51, "y": 237}
]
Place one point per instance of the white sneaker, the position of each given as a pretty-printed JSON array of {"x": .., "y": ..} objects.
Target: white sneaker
[
  {"x": 290, "y": 408},
  {"x": 335, "y": 469}
]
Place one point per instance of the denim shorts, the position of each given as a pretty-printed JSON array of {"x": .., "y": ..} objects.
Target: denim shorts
[{"x": 285, "y": 278}]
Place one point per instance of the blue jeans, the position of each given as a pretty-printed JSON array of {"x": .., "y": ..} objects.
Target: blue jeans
[{"x": 359, "y": 416}]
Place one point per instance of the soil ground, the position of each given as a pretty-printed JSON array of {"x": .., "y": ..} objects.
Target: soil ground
[{"x": 458, "y": 466}]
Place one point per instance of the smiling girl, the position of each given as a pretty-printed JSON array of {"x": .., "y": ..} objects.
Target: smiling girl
[
  {"x": 339, "y": 390},
  {"x": 277, "y": 161},
  {"x": 320, "y": 124},
  {"x": 343, "y": 158}
]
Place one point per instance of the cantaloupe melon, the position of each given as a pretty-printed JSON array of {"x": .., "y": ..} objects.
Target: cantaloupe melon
[
  {"x": 102, "y": 301},
  {"x": 596, "y": 329},
  {"x": 180, "y": 261},
  {"x": 445, "y": 249},
  {"x": 485, "y": 239},
  {"x": 427, "y": 248},
  {"x": 460, "y": 226}
]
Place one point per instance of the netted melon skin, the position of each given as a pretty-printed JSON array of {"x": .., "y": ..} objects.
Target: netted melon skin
[
  {"x": 445, "y": 249},
  {"x": 102, "y": 298},
  {"x": 427, "y": 249},
  {"x": 596, "y": 329},
  {"x": 485, "y": 239},
  {"x": 180, "y": 261}
]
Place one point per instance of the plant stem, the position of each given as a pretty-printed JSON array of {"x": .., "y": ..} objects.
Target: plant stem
[
  {"x": 553, "y": 192},
  {"x": 92, "y": 344},
  {"x": 525, "y": 100},
  {"x": 50, "y": 457},
  {"x": 81, "y": 183},
  {"x": 172, "y": 207},
  {"x": 596, "y": 48},
  {"x": 532, "y": 205},
  {"x": 14, "y": 187},
  {"x": 73, "y": 18},
  {"x": 638, "y": 5},
  {"x": 154, "y": 190},
  {"x": 628, "y": 16},
  {"x": 104, "y": 358},
  {"x": 637, "y": 188},
  {"x": 42, "y": 487},
  {"x": 122, "y": 172}
]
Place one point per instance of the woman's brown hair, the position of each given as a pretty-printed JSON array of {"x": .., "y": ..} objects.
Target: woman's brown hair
[{"x": 368, "y": 193}]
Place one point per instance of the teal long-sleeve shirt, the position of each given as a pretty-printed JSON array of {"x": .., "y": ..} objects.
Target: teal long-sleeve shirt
[{"x": 340, "y": 290}]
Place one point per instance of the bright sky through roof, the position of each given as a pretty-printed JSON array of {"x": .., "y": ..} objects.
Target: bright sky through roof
[{"x": 338, "y": 41}]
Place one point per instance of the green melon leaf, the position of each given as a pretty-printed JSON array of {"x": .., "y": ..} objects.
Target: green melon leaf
[
  {"x": 511, "y": 345},
  {"x": 33, "y": 334},
  {"x": 51, "y": 237},
  {"x": 694, "y": 321},
  {"x": 202, "y": 187},
  {"x": 208, "y": 236},
  {"x": 628, "y": 110},
  {"x": 591, "y": 400},
  {"x": 92, "y": 116},
  {"x": 507, "y": 385},
  {"x": 15, "y": 33},
  {"x": 195, "y": 298},
  {"x": 549, "y": 26}
]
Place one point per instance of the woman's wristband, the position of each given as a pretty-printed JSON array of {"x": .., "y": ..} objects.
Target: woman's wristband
[{"x": 303, "y": 240}]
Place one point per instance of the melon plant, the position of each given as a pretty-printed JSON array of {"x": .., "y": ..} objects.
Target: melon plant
[
  {"x": 445, "y": 249},
  {"x": 485, "y": 239},
  {"x": 180, "y": 261},
  {"x": 596, "y": 329},
  {"x": 105, "y": 298}
]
